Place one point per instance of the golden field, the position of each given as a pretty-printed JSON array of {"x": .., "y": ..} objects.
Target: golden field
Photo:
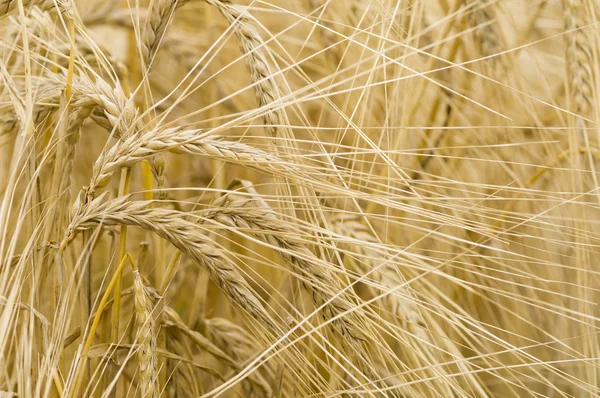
[{"x": 301, "y": 198}]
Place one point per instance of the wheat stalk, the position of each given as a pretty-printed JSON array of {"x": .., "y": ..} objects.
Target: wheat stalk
[
  {"x": 45, "y": 102},
  {"x": 7, "y": 7},
  {"x": 45, "y": 325}
]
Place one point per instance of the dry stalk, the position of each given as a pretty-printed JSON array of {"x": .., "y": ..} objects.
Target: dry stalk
[
  {"x": 46, "y": 100},
  {"x": 79, "y": 371},
  {"x": 68, "y": 134},
  {"x": 7, "y": 7},
  {"x": 45, "y": 325},
  {"x": 160, "y": 14}
]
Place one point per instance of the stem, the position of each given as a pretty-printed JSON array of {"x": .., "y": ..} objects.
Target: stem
[
  {"x": 124, "y": 187},
  {"x": 161, "y": 338},
  {"x": 169, "y": 273},
  {"x": 57, "y": 383},
  {"x": 71, "y": 59},
  {"x": 99, "y": 311},
  {"x": 116, "y": 310},
  {"x": 116, "y": 307}
]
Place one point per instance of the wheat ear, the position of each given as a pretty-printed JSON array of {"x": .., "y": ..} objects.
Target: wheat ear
[
  {"x": 115, "y": 111},
  {"x": 335, "y": 301},
  {"x": 402, "y": 308},
  {"x": 238, "y": 344},
  {"x": 138, "y": 147},
  {"x": 146, "y": 338},
  {"x": 186, "y": 236},
  {"x": 253, "y": 47},
  {"x": 172, "y": 319},
  {"x": 159, "y": 17},
  {"x": 579, "y": 57},
  {"x": 488, "y": 39}
]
